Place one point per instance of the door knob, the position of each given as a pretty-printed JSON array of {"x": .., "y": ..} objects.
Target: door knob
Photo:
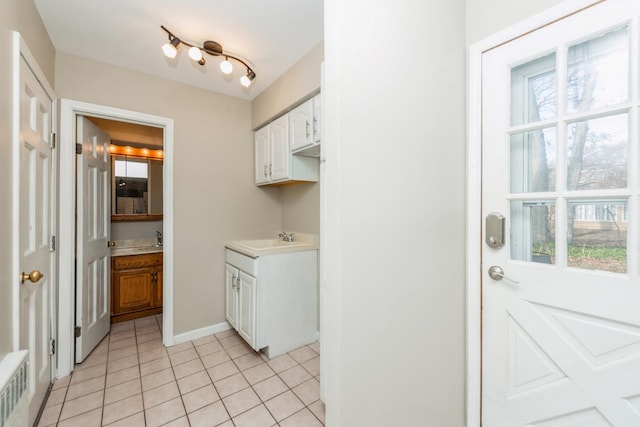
[
  {"x": 497, "y": 274},
  {"x": 34, "y": 276}
]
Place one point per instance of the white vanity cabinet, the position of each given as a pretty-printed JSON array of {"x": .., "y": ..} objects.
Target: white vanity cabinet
[
  {"x": 271, "y": 300},
  {"x": 241, "y": 303}
]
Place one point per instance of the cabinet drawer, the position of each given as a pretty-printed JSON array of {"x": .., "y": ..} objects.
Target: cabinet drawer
[
  {"x": 137, "y": 261},
  {"x": 245, "y": 263}
]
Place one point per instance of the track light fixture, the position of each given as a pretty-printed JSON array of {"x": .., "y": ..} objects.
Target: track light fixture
[{"x": 170, "y": 50}]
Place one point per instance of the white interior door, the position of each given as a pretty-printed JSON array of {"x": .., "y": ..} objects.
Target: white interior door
[
  {"x": 561, "y": 162},
  {"x": 34, "y": 215},
  {"x": 93, "y": 275}
]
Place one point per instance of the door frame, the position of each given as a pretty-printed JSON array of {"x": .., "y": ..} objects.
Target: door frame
[
  {"x": 474, "y": 191},
  {"x": 69, "y": 109},
  {"x": 20, "y": 49}
]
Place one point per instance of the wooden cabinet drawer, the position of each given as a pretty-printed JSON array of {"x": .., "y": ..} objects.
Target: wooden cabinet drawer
[{"x": 137, "y": 261}]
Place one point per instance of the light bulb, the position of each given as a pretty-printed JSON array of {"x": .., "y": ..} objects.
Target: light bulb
[
  {"x": 171, "y": 49},
  {"x": 244, "y": 81},
  {"x": 226, "y": 67},
  {"x": 195, "y": 53}
]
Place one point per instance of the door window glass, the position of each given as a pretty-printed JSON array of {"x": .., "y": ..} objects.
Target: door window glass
[
  {"x": 597, "y": 235},
  {"x": 583, "y": 145},
  {"x": 597, "y": 153},
  {"x": 533, "y": 161},
  {"x": 533, "y": 230},
  {"x": 533, "y": 91},
  {"x": 598, "y": 72}
]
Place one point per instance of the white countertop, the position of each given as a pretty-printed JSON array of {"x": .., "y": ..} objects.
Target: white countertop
[
  {"x": 141, "y": 250},
  {"x": 260, "y": 247},
  {"x": 135, "y": 247}
]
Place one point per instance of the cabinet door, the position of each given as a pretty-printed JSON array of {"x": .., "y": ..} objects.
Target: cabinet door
[
  {"x": 280, "y": 153},
  {"x": 231, "y": 298},
  {"x": 157, "y": 297},
  {"x": 132, "y": 290},
  {"x": 247, "y": 309},
  {"x": 301, "y": 125},
  {"x": 262, "y": 155},
  {"x": 317, "y": 118}
]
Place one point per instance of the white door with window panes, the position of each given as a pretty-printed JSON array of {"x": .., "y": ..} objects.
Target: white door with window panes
[{"x": 561, "y": 163}]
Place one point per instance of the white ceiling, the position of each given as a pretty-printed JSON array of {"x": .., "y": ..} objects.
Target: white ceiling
[{"x": 270, "y": 35}]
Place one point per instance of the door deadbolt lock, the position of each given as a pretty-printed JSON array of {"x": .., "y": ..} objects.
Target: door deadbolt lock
[{"x": 494, "y": 229}]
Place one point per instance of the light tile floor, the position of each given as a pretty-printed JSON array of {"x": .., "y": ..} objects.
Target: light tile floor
[{"x": 131, "y": 380}]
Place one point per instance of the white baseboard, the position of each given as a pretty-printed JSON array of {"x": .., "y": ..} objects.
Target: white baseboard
[{"x": 202, "y": 332}]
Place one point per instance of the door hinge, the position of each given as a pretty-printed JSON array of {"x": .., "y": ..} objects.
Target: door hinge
[
  {"x": 53, "y": 140},
  {"x": 78, "y": 148},
  {"x": 78, "y": 331},
  {"x": 52, "y": 243},
  {"x": 52, "y": 347}
]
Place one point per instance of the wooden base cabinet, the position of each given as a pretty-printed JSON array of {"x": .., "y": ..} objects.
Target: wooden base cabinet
[
  {"x": 272, "y": 300},
  {"x": 136, "y": 286}
]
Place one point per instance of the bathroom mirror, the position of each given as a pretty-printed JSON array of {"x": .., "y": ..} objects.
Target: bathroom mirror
[
  {"x": 136, "y": 170},
  {"x": 136, "y": 184}
]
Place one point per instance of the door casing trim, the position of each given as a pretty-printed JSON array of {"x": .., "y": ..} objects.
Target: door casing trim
[
  {"x": 474, "y": 191},
  {"x": 69, "y": 109}
]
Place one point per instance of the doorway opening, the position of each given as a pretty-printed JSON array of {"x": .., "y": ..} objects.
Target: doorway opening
[{"x": 70, "y": 110}]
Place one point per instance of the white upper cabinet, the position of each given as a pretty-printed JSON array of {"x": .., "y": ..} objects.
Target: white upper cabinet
[
  {"x": 262, "y": 155},
  {"x": 276, "y": 159},
  {"x": 317, "y": 119},
  {"x": 304, "y": 128},
  {"x": 301, "y": 125},
  {"x": 279, "y": 138}
]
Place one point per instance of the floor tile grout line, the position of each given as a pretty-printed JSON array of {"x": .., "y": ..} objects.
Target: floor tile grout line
[
  {"x": 104, "y": 385},
  {"x": 213, "y": 383},
  {"x": 144, "y": 413},
  {"x": 175, "y": 379},
  {"x": 263, "y": 402},
  {"x": 200, "y": 357},
  {"x": 64, "y": 400}
]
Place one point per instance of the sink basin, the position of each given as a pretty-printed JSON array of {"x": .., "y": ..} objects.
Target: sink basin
[
  {"x": 268, "y": 243},
  {"x": 258, "y": 247},
  {"x": 136, "y": 250}
]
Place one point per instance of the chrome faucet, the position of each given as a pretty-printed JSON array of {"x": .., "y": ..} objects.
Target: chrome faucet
[
  {"x": 158, "y": 238},
  {"x": 286, "y": 237}
]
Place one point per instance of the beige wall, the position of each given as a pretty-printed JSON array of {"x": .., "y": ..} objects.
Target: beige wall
[
  {"x": 300, "y": 202},
  {"x": 214, "y": 196},
  {"x": 299, "y": 82},
  {"x": 15, "y": 15},
  {"x": 486, "y": 17},
  {"x": 301, "y": 208},
  {"x": 135, "y": 230}
]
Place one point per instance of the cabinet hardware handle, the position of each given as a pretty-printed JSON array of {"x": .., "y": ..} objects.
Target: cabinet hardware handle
[
  {"x": 265, "y": 170},
  {"x": 233, "y": 281},
  {"x": 306, "y": 124},
  {"x": 270, "y": 169},
  {"x": 315, "y": 126}
]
